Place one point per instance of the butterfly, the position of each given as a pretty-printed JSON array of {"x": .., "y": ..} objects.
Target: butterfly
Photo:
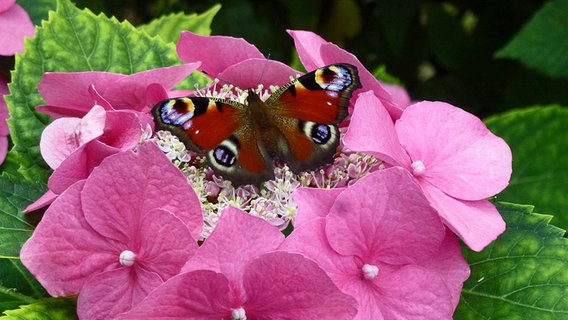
[{"x": 297, "y": 124}]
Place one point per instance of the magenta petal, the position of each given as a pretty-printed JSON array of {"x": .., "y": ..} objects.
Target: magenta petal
[
  {"x": 122, "y": 129},
  {"x": 228, "y": 249},
  {"x": 79, "y": 165},
  {"x": 121, "y": 179},
  {"x": 197, "y": 295},
  {"x": 15, "y": 25},
  {"x": 130, "y": 92},
  {"x": 64, "y": 136},
  {"x": 249, "y": 73},
  {"x": 374, "y": 218},
  {"x": 412, "y": 292},
  {"x": 462, "y": 157},
  {"x": 6, "y": 4},
  {"x": 450, "y": 263},
  {"x": 55, "y": 257},
  {"x": 372, "y": 131},
  {"x": 64, "y": 89},
  {"x": 308, "y": 45},
  {"x": 313, "y": 203},
  {"x": 43, "y": 201},
  {"x": 215, "y": 53},
  {"x": 477, "y": 223},
  {"x": 165, "y": 243},
  {"x": 399, "y": 96},
  {"x": 112, "y": 292},
  {"x": 3, "y": 148},
  {"x": 303, "y": 288}
]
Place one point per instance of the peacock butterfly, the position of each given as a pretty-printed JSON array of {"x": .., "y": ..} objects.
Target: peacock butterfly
[{"x": 296, "y": 124}]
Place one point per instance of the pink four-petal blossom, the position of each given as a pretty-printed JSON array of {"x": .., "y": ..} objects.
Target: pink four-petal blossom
[
  {"x": 14, "y": 26},
  {"x": 451, "y": 154},
  {"x": 315, "y": 53},
  {"x": 73, "y": 147},
  {"x": 114, "y": 237},
  {"x": 237, "y": 273},
  {"x": 383, "y": 244},
  {"x": 69, "y": 94}
]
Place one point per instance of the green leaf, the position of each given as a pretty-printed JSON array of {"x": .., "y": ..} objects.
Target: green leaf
[
  {"x": 542, "y": 43},
  {"x": 17, "y": 285},
  {"x": 71, "y": 40},
  {"x": 169, "y": 27},
  {"x": 537, "y": 137},
  {"x": 45, "y": 309},
  {"x": 521, "y": 275}
]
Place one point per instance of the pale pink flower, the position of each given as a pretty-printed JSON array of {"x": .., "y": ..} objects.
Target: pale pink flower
[
  {"x": 15, "y": 24},
  {"x": 451, "y": 154},
  {"x": 237, "y": 274},
  {"x": 381, "y": 242},
  {"x": 117, "y": 235}
]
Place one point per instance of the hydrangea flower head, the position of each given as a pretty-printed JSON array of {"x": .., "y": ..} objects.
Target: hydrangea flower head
[
  {"x": 450, "y": 153},
  {"x": 237, "y": 274},
  {"x": 116, "y": 235}
]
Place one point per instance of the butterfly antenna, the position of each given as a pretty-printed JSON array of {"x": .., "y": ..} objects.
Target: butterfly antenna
[{"x": 264, "y": 69}]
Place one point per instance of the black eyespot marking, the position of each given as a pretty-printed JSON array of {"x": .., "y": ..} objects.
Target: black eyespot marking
[
  {"x": 224, "y": 156},
  {"x": 200, "y": 106},
  {"x": 320, "y": 133}
]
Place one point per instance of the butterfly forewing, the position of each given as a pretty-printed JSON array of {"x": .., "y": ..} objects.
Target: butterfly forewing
[
  {"x": 321, "y": 96},
  {"x": 201, "y": 123}
]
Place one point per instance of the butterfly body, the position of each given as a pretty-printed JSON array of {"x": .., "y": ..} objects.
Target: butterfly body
[{"x": 296, "y": 124}]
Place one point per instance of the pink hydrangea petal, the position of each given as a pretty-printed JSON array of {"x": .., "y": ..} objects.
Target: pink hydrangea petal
[
  {"x": 477, "y": 223},
  {"x": 249, "y": 73},
  {"x": 112, "y": 292},
  {"x": 130, "y": 92},
  {"x": 200, "y": 294},
  {"x": 399, "y": 96},
  {"x": 308, "y": 45},
  {"x": 64, "y": 136},
  {"x": 46, "y": 199},
  {"x": 310, "y": 240},
  {"x": 462, "y": 157},
  {"x": 215, "y": 53},
  {"x": 372, "y": 131},
  {"x": 450, "y": 263},
  {"x": 121, "y": 179},
  {"x": 55, "y": 257},
  {"x": 79, "y": 165},
  {"x": 412, "y": 292},
  {"x": 228, "y": 249},
  {"x": 122, "y": 129},
  {"x": 165, "y": 243},
  {"x": 155, "y": 93},
  {"x": 303, "y": 288},
  {"x": 374, "y": 217},
  {"x": 6, "y": 4},
  {"x": 313, "y": 203},
  {"x": 16, "y": 25},
  {"x": 70, "y": 90}
]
